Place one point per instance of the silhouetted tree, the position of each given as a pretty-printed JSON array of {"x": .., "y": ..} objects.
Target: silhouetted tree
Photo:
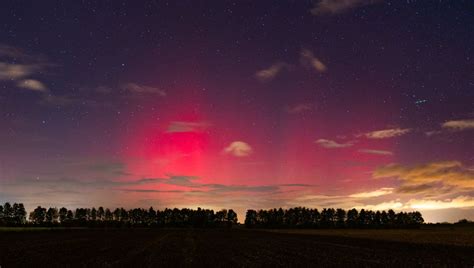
[
  {"x": 108, "y": 215},
  {"x": 38, "y": 215},
  {"x": 231, "y": 217},
  {"x": 8, "y": 213},
  {"x": 250, "y": 218},
  {"x": 52, "y": 216},
  {"x": 352, "y": 216},
  {"x": 340, "y": 217},
  {"x": 62, "y": 214},
  {"x": 2, "y": 216},
  {"x": 69, "y": 216},
  {"x": 100, "y": 214},
  {"x": 93, "y": 214},
  {"x": 301, "y": 217},
  {"x": 19, "y": 214}
]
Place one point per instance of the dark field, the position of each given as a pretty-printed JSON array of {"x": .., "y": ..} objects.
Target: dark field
[{"x": 234, "y": 247}]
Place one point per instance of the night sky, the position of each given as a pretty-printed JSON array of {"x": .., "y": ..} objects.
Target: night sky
[{"x": 239, "y": 104}]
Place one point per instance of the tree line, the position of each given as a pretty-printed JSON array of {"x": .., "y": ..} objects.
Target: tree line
[
  {"x": 15, "y": 215},
  {"x": 301, "y": 217},
  {"x": 298, "y": 217}
]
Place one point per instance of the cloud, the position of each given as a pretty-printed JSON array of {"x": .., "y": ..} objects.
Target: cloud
[
  {"x": 436, "y": 174},
  {"x": 271, "y": 72},
  {"x": 415, "y": 189},
  {"x": 382, "y": 206},
  {"x": 308, "y": 59},
  {"x": 238, "y": 148},
  {"x": 376, "y": 193},
  {"x": 328, "y": 7},
  {"x": 16, "y": 71},
  {"x": 330, "y": 144},
  {"x": 61, "y": 100},
  {"x": 25, "y": 65},
  {"x": 459, "y": 124},
  {"x": 377, "y": 152},
  {"x": 300, "y": 108},
  {"x": 192, "y": 182},
  {"x": 32, "y": 84},
  {"x": 103, "y": 89},
  {"x": 142, "y": 89},
  {"x": 458, "y": 202},
  {"x": 10, "y": 52},
  {"x": 432, "y": 133},
  {"x": 181, "y": 126},
  {"x": 387, "y": 133}
]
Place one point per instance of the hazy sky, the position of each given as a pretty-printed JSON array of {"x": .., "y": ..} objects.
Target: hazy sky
[{"x": 239, "y": 104}]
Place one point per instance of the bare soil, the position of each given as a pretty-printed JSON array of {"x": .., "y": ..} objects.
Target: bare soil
[{"x": 219, "y": 248}]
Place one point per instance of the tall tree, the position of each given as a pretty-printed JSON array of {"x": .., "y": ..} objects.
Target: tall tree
[
  {"x": 340, "y": 217},
  {"x": 250, "y": 218},
  {"x": 38, "y": 215},
  {"x": 2, "y": 216},
  {"x": 100, "y": 214},
  {"x": 19, "y": 214},
  {"x": 62, "y": 214},
  {"x": 231, "y": 217},
  {"x": 52, "y": 216}
]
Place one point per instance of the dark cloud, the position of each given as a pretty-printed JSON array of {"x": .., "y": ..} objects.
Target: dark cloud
[{"x": 330, "y": 7}]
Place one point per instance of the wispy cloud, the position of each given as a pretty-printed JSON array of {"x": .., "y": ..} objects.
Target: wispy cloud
[
  {"x": 10, "y": 52},
  {"x": 377, "y": 152},
  {"x": 328, "y": 7},
  {"x": 32, "y": 84},
  {"x": 16, "y": 71},
  {"x": 393, "y": 204},
  {"x": 459, "y": 124},
  {"x": 375, "y": 193},
  {"x": 182, "y": 126},
  {"x": 387, "y": 133},
  {"x": 458, "y": 202},
  {"x": 300, "y": 108},
  {"x": 238, "y": 148},
  {"x": 24, "y": 66},
  {"x": 271, "y": 72},
  {"x": 142, "y": 89},
  {"x": 433, "y": 176},
  {"x": 330, "y": 144},
  {"x": 309, "y": 60}
]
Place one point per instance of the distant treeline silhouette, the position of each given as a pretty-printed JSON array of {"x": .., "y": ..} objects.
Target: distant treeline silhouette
[
  {"x": 298, "y": 217},
  {"x": 301, "y": 217},
  {"x": 15, "y": 215}
]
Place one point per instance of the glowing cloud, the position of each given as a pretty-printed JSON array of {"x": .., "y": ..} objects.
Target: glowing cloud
[
  {"x": 458, "y": 202},
  {"x": 459, "y": 124},
  {"x": 308, "y": 59},
  {"x": 180, "y": 126},
  {"x": 377, "y": 152},
  {"x": 382, "y": 206},
  {"x": 271, "y": 72},
  {"x": 239, "y": 149},
  {"x": 434, "y": 175},
  {"x": 379, "y": 192},
  {"x": 32, "y": 84},
  {"x": 387, "y": 133},
  {"x": 15, "y": 71},
  {"x": 330, "y": 144}
]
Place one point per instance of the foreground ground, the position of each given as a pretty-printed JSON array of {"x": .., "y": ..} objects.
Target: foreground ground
[{"x": 236, "y": 247}]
